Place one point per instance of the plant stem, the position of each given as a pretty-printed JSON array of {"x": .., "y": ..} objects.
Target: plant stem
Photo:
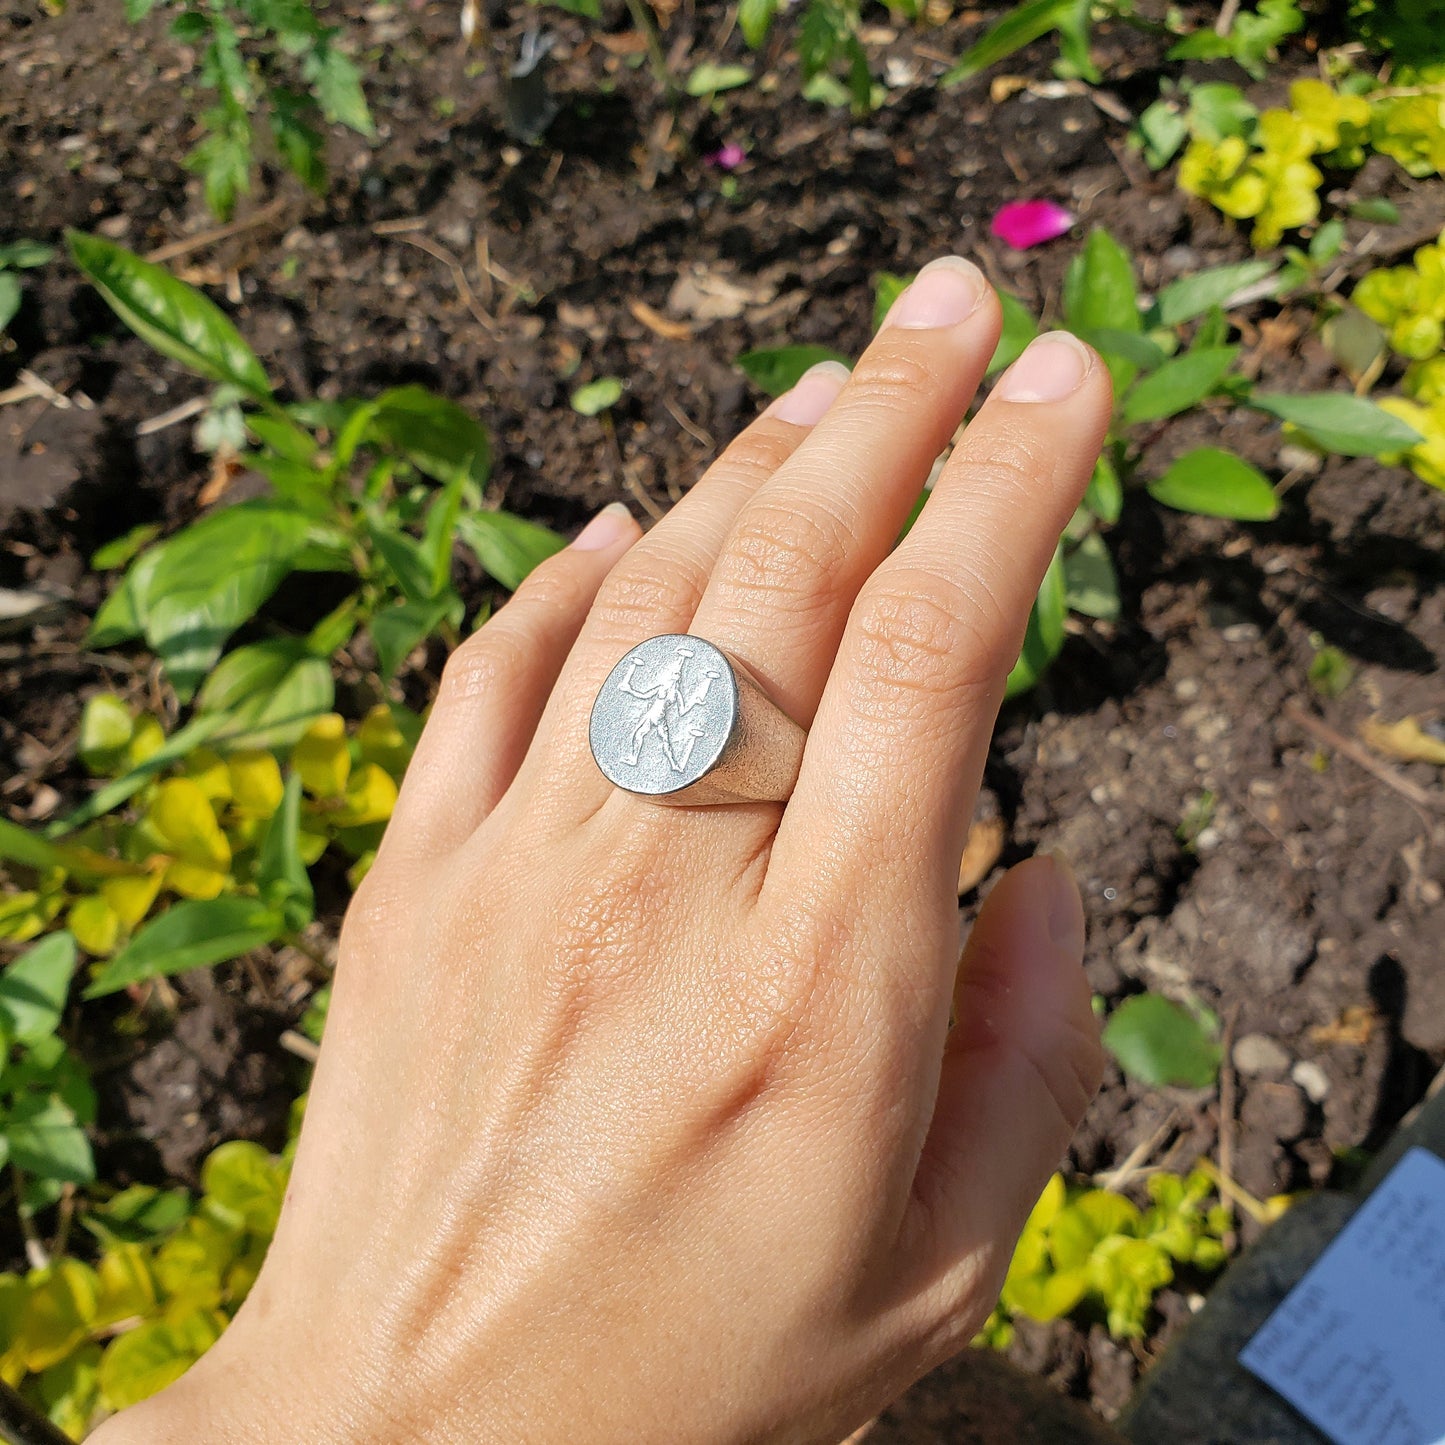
[{"x": 646, "y": 22}]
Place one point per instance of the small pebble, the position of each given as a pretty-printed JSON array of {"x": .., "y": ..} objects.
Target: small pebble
[
  {"x": 1256, "y": 1054},
  {"x": 1311, "y": 1078}
]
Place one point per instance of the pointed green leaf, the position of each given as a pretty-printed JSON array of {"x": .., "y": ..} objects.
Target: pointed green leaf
[
  {"x": 1022, "y": 25},
  {"x": 1159, "y": 1043},
  {"x": 1340, "y": 422},
  {"x": 507, "y": 546},
  {"x": 1216, "y": 483},
  {"x": 778, "y": 369},
  {"x": 174, "y": 318},
  {"x": 1045, "y": 635},
  {"x": 1180, "y": 383}
]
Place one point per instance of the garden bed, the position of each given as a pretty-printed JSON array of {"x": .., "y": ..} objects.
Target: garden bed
[{"x": 1303, "y": 903}]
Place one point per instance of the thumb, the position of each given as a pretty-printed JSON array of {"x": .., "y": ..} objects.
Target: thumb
[{"x": 1020, "y": 1066}]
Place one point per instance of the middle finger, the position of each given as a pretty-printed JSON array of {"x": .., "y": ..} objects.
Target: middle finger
[{"x": 805, "y": 543}]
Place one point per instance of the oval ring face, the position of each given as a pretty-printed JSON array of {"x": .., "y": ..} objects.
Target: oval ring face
[{"x": 664, "y": 715}]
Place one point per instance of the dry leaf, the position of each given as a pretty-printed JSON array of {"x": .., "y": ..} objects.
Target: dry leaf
[
  {"x": 1353, "y": 1027},
  {"x": 980, "y": 853},
  {"x": 704, "y": 296},
  {"x": 1405, "y": 740},
  {"x": 656, "y": 322}
]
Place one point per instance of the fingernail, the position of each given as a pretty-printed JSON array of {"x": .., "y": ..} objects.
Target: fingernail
[
  {"x": 811, "y": 395},
  {"x": 945, "y": 292},
  {"x": 1049, "y": 370},
  {"x": 1065, "y": 907},
  {"x": 606, "y": 529}
]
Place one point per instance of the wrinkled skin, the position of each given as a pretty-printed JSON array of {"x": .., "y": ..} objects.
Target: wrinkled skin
[{"x": 647, "y": 1124}]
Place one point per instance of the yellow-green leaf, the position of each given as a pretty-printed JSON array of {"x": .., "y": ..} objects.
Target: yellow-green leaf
[
  {"x": 370, "y": 798},
  {"x": 256, "y": 785},
  {"x": 142, "y": 1362},
  {"x": 322, "y": 757},
  {"x": 60, "y": 1311},
  {"x": 106, "y": 726},
  {"x": 95, "y": 924}
]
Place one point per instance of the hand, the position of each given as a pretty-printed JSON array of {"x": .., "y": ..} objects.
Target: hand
[{"x": 646, "y": 1124}]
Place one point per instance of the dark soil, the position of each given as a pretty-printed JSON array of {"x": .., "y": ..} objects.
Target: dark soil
[{"x": 1309, "y": 911}]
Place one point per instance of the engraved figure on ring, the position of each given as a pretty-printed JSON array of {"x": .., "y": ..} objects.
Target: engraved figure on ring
[{"x": 667, "y": 706}]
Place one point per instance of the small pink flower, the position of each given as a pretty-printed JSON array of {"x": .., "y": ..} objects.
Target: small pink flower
[
  {"x": 729, "y": 158},
  {"x": 1022, "y": 224}
]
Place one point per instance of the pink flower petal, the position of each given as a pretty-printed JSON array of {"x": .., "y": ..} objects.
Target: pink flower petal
[
  {"x": 729, "y": 158},
  {"x": 1022, "y": 224}
]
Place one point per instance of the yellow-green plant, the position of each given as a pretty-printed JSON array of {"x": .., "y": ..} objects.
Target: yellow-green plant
[
  {"x": 82, "y": 1339},
  {"x": 1094, "y": 1248},
  {"x": 208, "y": 858}
]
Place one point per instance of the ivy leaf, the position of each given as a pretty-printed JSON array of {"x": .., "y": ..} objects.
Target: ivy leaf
[
  {"x": 167, "y": 314},
  {"x": 1216, "y": 483},
  {"x": 1156, "y": 1042},
  {"x": 779, "y": 368},
  {"x": 1180, "y": 383},
  {"x": 188, "y": 935},
  {"x": 1340, "y": 422},
  {"x": 34, "y": 988},
  {"x": 507, "y": 546},
  {"x": 1045, "y": 635}
]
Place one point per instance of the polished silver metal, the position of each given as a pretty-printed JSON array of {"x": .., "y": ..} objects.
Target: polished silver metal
[{"x": 680, "y": 721}]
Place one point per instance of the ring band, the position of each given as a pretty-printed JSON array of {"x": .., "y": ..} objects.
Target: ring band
[{"x": 680, "y": 721}]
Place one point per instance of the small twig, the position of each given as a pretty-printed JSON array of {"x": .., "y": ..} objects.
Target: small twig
[
  {"x": 300, "y": 1045},
  {"x": 1227, "y": 12},
  {"x": 184, "y": 412},
  {"x": 1227, "y": 1084},
  {"x": 688, "y": 425},
  {"x": 1116, "y": 1179},
  {"x": 399, "y": 227},
  {"x": 1358, "y": 753},
  {"x": 202, "y": 239},
  {"x": 21, "y": 1424},
  {"x": 38, "y": 386},
  {"x": 35, "y": 1250},
  {"x": 459, "y": 277},
  {"x": 1236, "y": 1193}
]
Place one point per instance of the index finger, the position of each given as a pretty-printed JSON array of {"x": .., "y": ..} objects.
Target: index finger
[{"x": 899, "y": 741}]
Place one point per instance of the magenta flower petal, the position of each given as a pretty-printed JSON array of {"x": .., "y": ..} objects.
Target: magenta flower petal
[
  {"x": 729, "y": 158},
  {"x": 1022, "y": 224}
]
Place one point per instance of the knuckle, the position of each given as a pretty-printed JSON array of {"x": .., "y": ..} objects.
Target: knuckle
[
  {"x": 895, "y": 375},
  {"x": 753, "y": 457},
  {"x": 1012, "y": 466},
  {"x": 784, "y": 553},
  {"x": 485, "y": 661},
  {"x": 920, "y": 634},
  {"x": 650, "y": 587}
]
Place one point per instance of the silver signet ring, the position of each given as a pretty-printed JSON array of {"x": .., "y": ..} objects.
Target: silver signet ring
[{"x": 679, "y": 721}]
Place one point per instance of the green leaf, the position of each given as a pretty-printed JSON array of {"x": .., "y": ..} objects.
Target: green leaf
[
  {"x": 1158, "y": 1043},
  {"x": 245, "y": 1183},
  {"x": 507, "y": 546},
  {"x": 1092, "y": 586},
  {"x": 137, "y": 10},
  {"x": 1219, "y": 110},
  {"x": 1179, "y": 384},
  {"x": 1340, "y": 422},
  {"x": 19, "y": 845},
  {"x": 300, "y": 145},
  {"x": 46, "y": 1141},
  {"x": 709, "y": 79},
  {"x": 778, "y": 369},
  {"x": 887, "y": 288},
  {"x": 34, "y": 988},
  {"x": 435, "y": 435},
  {"x": 1022, "y": 25},
  {"x": 285, "y": 438},
  {"x": 1045, "y": 635},
  {"x": 9, "y": 298},
  {"x": 222, "y": 159},
  {"x": 755, "y": 19},
  {"x": 191, "y": 934},
  {"x": 1125, "y": 348},
  {"x": 1099, "y": 289},
  {"x": 396, "y": 629},
  {"x": 1019, "y": 328},
  {"x": 597, "y": 396},
  {"x": 106, "y": 728},
  {"x": 24, "y": 255},
  {"x": 1216, "y": 483},
  {"x": 1378, "y": 209},
  {"x": 143, "y": 1361},
  {"x": 125, "y": 548},
  {"x": 266, "y": 694},
  {"x": 402, "y": 556},
  {"x": 137, "y": 1215},
  {"x": 281, "y": 876},
  {"x": 1193, "y": 295},
  {"x": 1105, "y": 494},
  {"x": 336, "y": 84},
  {"x": 169, "y": 315},
  {"x": 1159, "y": 132},
  {"x": 191, "y": 603}
]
